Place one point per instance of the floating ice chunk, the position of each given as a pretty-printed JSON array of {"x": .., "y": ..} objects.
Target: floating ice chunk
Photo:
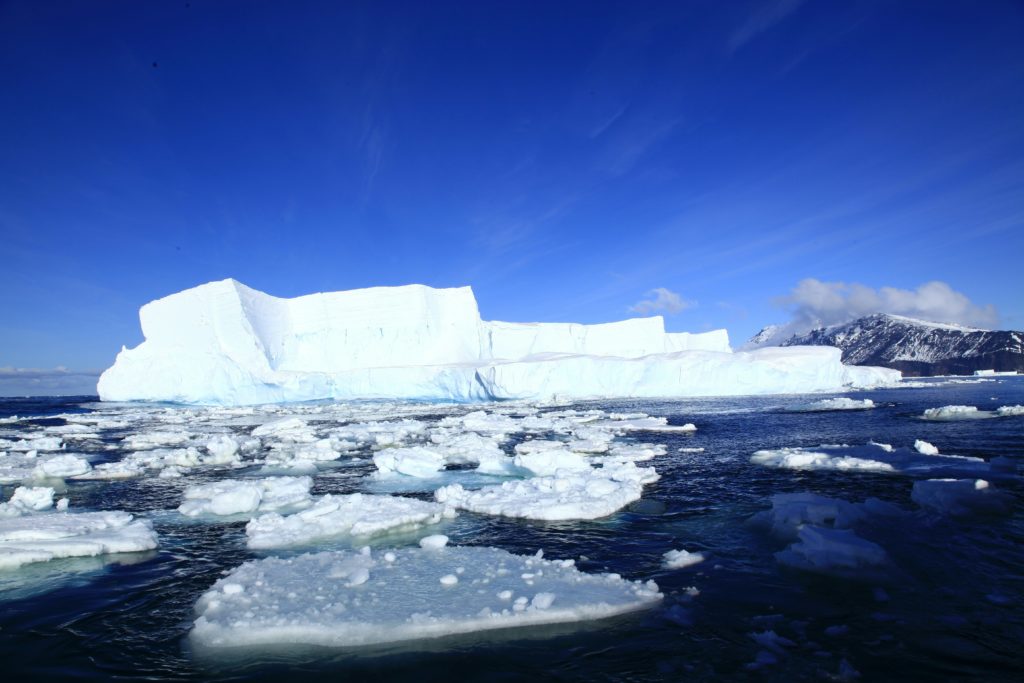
[
  {"x": 311, "y": 599},
  {"x": 114, "y": 470},
  {"x": 467, "y": 448},
  {"x": 243, "y": 496},
  {"x": 678, "y": 559},
  {"x": 791, "y": 511},
  {"x": 42, "y": 443},
  {"x": 950, "y": 413},
  {"x": 832, "y": 551},
  {"x": 27, "y": 499},
  {"x": 483, "y": 422},
  {"x": 548, "y": 462},
  {"x": 382, "y": 434},
  {"x": 585, "y": 494},
  {"x": 47, "y": 536},
  {"x": 417, "y": 461},
  {"x": 878, "y": 458},
  {"x": 435, "y": 542},
  {"x": 805, "y": 459},
  {"x": 829, "y": 404},
  {"x": 62, "y": 466},
  {"x": 925, "y": 448},
  {"x": 647, "y": 424},
  {"x": 961, "y": 497},
  {"x": 1007, "y": 411},
  {"x": 222, "y": 449},
  {"x": 162, "y": 458},
  {"x": 286, "y": 428},
  {"x": 155, "y": 439},
  {"x": 341, "y": 515}
]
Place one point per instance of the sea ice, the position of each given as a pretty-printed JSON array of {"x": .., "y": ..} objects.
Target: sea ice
[
  {"x": 832, "y": 551},
  {"x": 678, "y": 559},
  {"x": 347, "y": 599},
  {"x": 874, "y": 457},
  {"x": 245, "y": 496},
  {"x": 51, "y": 535},
  {"x": 961, "y": 497},
  {"x": 828, "y": 404},
  {"x": 27, "y": 499},
  {"x": 791, "y": 511},
  {"x": 331, "y": 516},
  {"x": 417, "y": 461},
  {"x": 949, "y": 413},
  {"x": 569, "y": 494}
]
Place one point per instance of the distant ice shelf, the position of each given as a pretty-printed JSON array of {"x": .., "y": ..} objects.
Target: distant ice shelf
[{"x": 225, "y": 343}]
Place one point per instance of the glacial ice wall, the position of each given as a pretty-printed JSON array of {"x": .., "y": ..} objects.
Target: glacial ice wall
[{"x": 225, "y": 343}]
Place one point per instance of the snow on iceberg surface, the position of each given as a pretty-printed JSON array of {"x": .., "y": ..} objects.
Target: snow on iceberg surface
[
  {"x": 348, "y": 599},
  {"x": 224, "y": 343}
]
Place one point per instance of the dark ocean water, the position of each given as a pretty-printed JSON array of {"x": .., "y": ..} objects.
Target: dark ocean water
[{"x": 953, "y": 608}]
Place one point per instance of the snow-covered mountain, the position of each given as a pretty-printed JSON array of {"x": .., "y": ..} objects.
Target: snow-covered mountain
[{"x": 915, "y": 347}]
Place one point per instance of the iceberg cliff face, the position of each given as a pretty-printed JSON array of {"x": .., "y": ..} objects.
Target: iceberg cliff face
[{"x": 225, "y": 343}]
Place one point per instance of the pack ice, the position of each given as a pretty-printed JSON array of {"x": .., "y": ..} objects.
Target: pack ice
[
  {"x": 345, "y": 599},
  {"x": 224, "y": 343}
]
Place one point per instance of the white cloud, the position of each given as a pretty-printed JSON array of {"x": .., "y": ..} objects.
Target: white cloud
[
  {"x": 662, "y": 300},
  {"x": 815, "y": 304},
  {"x": 45, "y": 382}
]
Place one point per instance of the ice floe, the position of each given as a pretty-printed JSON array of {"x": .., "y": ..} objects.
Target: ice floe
[
  {"x": 821, "y": 534},
  {"x": 569, "y": 494},
  {"x": 829, "y": 404},
  {"x": 961, "y": 497},
  {"x": 874, "y": 457},
  {"x": 331, "y": 516},
  {"x": 416, "y": 461},
  {"x": 246, "y": 496},
  {"x": 47, "y": 536},
  {"x": 678, "y": 559},
  {"x": 348, "y": 599}
]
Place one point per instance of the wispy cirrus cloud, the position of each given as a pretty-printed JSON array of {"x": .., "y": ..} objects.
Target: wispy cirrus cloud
[
  {"x": 767, "y": 16},
  {"x": 662, "y": 300}
]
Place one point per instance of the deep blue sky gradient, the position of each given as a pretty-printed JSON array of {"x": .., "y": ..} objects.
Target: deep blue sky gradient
[{"x": 562, "y": 158}]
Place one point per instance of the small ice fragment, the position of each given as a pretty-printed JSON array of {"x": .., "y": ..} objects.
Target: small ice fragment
[{"x": 434, "y": 542}]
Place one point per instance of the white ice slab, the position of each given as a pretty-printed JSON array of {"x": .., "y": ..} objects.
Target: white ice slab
[
  {"x": 349, "y": 599},
  {"x": 331, "y": 516},
  {"x": 246, "y": 496},
  {"x": 52, "y": 535},
  {"x": 830, "y": 404},
  {"x": 874, "y": 458},
  {"x": 585, "y": 494}
]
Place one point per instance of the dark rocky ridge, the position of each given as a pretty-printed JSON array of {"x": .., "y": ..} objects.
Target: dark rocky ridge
[{"x": 918, "y": 348}]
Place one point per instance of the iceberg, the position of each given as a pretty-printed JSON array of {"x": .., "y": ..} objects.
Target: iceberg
[{"x": 226, "y": 344}]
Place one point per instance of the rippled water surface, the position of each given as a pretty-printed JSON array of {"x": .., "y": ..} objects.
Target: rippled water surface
[{"x": 953, "y": 606}]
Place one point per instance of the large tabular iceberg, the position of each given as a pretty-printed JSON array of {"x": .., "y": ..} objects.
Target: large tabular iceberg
[{"x": 225, "y": 343}]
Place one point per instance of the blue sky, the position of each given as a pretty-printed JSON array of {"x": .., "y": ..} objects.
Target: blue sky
[{"x": 564, "y": 159}]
